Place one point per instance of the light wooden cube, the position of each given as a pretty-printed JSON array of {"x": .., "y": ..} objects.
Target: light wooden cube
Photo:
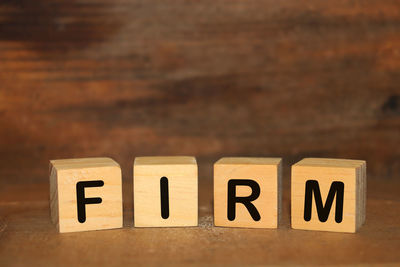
[
  {"x": 340, "y": 183},
  {"x": 97, "y": 183},
  {"x": 165, "y": 191},
  {"x": 257, "y": 178}
]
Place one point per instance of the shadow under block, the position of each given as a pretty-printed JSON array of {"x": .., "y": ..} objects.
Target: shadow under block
[
  {"x": 165, "y": 192},
  {"x": 86, "y": 179},
  {"x": 231, "y": 178},
  {"x": 340, "y": 183}
]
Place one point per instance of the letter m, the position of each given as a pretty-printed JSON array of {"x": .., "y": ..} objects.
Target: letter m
[{"x": 337, "y": 188}]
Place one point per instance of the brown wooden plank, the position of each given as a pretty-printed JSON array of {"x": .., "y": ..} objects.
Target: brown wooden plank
[{"x": 28, "y": 237}]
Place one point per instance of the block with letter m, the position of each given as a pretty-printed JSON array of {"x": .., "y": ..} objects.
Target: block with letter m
[{"x": 328, "y": 194}]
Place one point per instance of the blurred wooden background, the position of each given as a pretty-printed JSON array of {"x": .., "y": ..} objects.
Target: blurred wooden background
[
  {"x": 205, "y": 78},
  {"x": 210, "y": 78}
]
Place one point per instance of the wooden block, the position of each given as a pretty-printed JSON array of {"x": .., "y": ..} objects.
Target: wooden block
[
  {"x": 247, "y": 192},
  {"x": 85, "y": 194},
  {"x": 329, "y": 194},
  {"x": 165, "y": 191}
]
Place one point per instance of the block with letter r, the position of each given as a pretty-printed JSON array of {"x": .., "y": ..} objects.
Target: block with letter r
[
  {"x": 247, "y": 192},
  {"x": 328, "y": 194}
]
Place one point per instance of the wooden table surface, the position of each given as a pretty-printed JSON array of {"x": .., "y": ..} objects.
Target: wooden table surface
[
  {"x": 27, "y": 236},
  {"x": 212, "y": 78}
]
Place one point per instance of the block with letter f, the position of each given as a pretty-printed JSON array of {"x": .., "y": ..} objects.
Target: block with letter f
[{"x": 85, "y": 194}]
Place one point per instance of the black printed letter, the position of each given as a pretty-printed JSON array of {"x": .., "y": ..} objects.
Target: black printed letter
[
  {"x": 164, "y": 197},
  {"x": 81, "y": 201},
  {"x": 246, "y": 201},
  {"x": 323, "y": 210}
]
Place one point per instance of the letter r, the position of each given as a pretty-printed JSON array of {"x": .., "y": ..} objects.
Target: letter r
[{"x": 246, "y": 201}]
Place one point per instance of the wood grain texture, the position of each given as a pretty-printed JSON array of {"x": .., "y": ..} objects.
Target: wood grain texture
[
  {"x": 127, "y": 78},
  {"x": 326, "y": 171},
  {"x": 24, "y": 217},
  {"x": 122, "y": 78},
  {"x": 64, "y": 177},
  {"x": 181, "y": 173},
  {"x": 267, "y": 173}
]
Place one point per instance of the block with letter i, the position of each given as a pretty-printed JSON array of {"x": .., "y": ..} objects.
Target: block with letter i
[
  {"x": 328, "y": 194},
  {"x": 85, "y": 194},
  {"x": 247, "y": 192},
  {"x": 165, "y": 191}
]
